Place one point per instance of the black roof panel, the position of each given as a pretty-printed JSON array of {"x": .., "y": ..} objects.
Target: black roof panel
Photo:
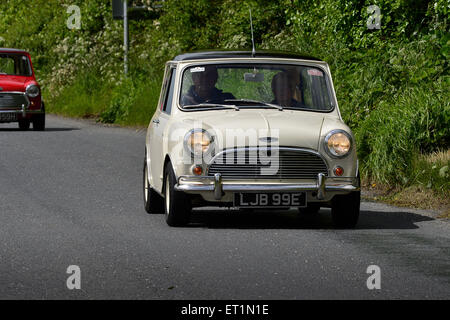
[
  {"x": 12, "y": 50},
  {"x": 218, "y": 54}
]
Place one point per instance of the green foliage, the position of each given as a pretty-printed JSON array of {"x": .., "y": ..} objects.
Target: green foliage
[
  {"x": 133, "y": 102},
  {"x": 432, "y": 175},
  {"x": 392, "y": 84},
  {"x": 411, "y": 122}
]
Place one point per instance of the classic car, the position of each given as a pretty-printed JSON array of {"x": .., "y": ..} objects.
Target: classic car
[
  {"x": 249, "y": 131},
  {"x": 20, "y": 94}
]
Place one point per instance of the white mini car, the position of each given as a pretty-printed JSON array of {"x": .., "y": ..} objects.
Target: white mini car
[{"x": 251, "y": 131}]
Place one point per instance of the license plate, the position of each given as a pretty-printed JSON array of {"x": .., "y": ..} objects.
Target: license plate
[
  {"x": 270, "y": 200},
  {"x": 8, "y": 117}
]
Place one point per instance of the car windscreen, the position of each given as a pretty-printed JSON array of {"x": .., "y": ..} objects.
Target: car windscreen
[
  {"x": 255, "y": 85},
  {"x": 14, "y": 64}
]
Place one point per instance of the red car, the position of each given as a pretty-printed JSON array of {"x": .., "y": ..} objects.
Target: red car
[{"x": 20, "y": 94}]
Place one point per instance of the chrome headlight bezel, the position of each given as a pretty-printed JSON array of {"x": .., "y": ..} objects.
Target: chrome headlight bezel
[
  {"x": 32, "y": 91},
  {"x": 329, "y": 151},
  {"x": 189, "y": 148}
]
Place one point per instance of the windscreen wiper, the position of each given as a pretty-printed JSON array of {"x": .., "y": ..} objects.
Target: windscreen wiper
[
  {"x": 272, "y": 105},
  {"x": 209, "y": 105}
]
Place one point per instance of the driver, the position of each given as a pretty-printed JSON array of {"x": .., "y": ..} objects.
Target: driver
[{"x": 204, "y": 87}]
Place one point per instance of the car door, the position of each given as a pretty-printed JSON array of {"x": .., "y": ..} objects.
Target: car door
[{"x": 158, "y": 125}]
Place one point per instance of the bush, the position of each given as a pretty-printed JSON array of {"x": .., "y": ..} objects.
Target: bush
[
  {"x": 133, "y": 102},
  {"x": 411, "y": 122}
]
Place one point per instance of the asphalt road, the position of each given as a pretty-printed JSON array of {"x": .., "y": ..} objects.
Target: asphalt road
[{"x": 72, "y": 196}]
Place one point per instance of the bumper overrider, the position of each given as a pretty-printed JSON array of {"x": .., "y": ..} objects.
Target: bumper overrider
[{"x": 218, "y": 186}]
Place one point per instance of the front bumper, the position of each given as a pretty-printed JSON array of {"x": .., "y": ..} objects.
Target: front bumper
[
  {"x": 23, "y": 111},
  {"x": 218, "y": 186}
]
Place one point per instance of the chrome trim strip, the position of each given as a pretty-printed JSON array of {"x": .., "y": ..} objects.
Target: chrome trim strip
[
  {"x": 21, "y": 111},
  {"x": 15, "y": 92}
]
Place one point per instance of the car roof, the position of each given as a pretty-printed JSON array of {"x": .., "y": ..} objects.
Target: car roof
[
  {"x": 222, "y": 54},
  {"x": 12, "y": 50}
]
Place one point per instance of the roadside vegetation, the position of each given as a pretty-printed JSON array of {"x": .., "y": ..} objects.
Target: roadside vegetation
[{"x": 392, "y": 84}]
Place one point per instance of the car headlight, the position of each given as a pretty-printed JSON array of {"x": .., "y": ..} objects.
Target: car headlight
[
  {"x": 198, "y": 141},
  {"x": 32, "y": 91},
  {"x": 338, "y": 143}
]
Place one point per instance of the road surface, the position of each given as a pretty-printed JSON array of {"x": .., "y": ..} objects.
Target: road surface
[{"x": 72, "y": 196}]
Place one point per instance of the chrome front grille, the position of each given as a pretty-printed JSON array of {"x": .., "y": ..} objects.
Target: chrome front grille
[
  {"x": 13, "y": 100},
  {"x": 253, "y": 163}
]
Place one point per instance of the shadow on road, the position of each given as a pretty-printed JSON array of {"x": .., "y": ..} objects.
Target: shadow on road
[
  {"x": 291, "y": 219},
  {"x": 46, "y": 130}
]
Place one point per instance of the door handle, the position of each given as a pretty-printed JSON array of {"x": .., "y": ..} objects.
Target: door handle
[{"x": 156, "y": 121}]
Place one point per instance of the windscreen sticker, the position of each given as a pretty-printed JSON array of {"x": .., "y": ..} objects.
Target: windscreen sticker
[
  {"x": 198, "y": 69},
  {"x": 315, "y": 72}
]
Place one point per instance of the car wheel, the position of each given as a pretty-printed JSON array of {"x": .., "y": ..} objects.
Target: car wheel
[
  {"x": 310, "y": 209},
  {"x": 176, "y": 204},
  {"x": 39, "y": 122},
  {"x": 153, "y": 202},
  {"x": 24, "y": 124},
  {"x": 345, "y": 210}
]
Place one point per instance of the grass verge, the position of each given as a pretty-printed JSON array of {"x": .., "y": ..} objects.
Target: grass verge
[{"x": 127, "y": 103}]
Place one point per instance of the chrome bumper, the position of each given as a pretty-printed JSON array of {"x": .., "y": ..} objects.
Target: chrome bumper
[
  {"x": 23, "y": 111},
  {"x": 196, "y": 184}
]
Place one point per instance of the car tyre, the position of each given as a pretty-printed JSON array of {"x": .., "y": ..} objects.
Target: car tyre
[
  {"x": 24, "y": 124},
  {"x": 39, "y": 122},
  {"x": 177, "y": 206},
  {"x": 153, "y": 202},
  {"x": 345, "y": 210}
]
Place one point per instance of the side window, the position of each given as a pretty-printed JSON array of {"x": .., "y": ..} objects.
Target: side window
[{"x": 167, "y": 107}]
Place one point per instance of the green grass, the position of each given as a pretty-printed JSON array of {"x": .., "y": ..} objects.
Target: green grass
[
  {"x": 432, "y": 171},
  {"x": 129, "y": 102},
  {"x": 391, "y": 138}
]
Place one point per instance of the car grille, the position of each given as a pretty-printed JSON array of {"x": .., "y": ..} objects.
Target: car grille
[
  {"x": 287, "y": 163},
  {"x": 10, "y": 100}
]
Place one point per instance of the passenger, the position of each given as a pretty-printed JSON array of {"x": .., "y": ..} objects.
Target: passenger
[
  {"x": 204, "y": 88},
  {"x": 294, "y": 80},
  {"x": 283, "y": 92}
]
